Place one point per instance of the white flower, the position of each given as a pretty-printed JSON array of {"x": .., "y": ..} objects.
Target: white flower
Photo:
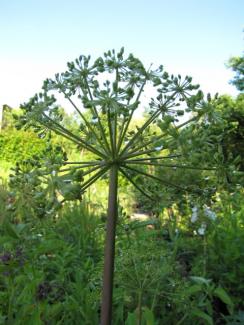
[
  {"x": 209, "y": 213},
  {"x": 194, "y": 215},
  {"x": 158, "y": 148},
  {"x": 194, "y": 209},
  {"x": 202, "y": 229},
  {"x": 54, "y": 172}
]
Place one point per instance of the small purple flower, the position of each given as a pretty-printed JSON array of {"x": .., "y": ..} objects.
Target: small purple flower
[
  {"x": 43, "y": 290},
  {"x": 18, "y": 252},
  {"x": 6, "y": 273},
  {"x": 6, "y": 257},
  {"x": 20, "y": 258}
]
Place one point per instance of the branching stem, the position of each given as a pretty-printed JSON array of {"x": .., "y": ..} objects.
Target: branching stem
[
  {"x": 155, "y": 178},
  {"x": 71, "y": 135},
  {"x": 136, "y": 186},
  {"x": 103, "y": 145},
  {"x": 103, "y": 134},
  {"x": 95, "y": 177},
  {"x": 167, "y": 166}
]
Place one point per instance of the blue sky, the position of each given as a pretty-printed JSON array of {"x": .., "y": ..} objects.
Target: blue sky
[{"x": 37, "y": 38}]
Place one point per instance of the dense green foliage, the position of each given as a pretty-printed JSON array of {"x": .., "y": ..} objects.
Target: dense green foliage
[
  {"x": 51, "y": 270},
  {"x": 48, "y": 270},
  {"x": 19, "y": 145}
]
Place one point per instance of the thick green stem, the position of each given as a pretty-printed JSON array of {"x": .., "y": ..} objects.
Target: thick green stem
[{"x": 107, "y": 292}]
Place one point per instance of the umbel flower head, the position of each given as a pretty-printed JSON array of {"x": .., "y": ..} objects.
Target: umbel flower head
[{"x": 104, "y": 95}]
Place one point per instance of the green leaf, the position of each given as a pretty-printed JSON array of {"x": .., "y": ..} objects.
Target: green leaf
[
  {"x": 55, "y": 310},
  {"x": 223, "y": 295},
  {"x": 11, "y": 231},
  {"x": 20, "y": 227},
  {"x": 148, "y": 316},
  {"x": 197, "y": 312},
  {"x": 50, "y": 246},
  {"x": 36, "y": 318},
  {"x": 193, "y": 289},
  {"x": 2, "y": 319},
  {"x": 200, "y": 280},
  {"x": 131, "y": 319}
]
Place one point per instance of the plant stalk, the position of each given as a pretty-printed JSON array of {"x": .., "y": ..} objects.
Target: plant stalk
[{"x": 107, "y": 291}]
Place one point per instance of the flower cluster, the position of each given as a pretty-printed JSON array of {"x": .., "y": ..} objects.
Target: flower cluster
[
  {"x": 194, "y": 215},
  {"x": 43, "y": 290},
  {"x": 6, "y": 258},
  {"x": 207, "y": 213},
  {"x": 9, "y": 259}
]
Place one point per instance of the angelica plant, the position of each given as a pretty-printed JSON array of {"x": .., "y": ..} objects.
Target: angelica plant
[{"x": 105, "y": 94}]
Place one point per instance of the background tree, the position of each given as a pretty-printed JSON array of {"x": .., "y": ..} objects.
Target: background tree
[
  {"x": 236, "y": 63},
  {"x": 216, "y": 139}
]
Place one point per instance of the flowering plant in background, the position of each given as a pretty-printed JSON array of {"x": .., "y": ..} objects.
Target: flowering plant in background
[
  {"x": 202, "y": 217},
  {"x": 202, "y": 229},
  {"x": 209, "y": 213},
  {"x": 194, "y": 215}
]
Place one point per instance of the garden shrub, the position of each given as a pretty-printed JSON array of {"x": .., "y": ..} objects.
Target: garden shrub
[
  {"x": 19, "y": 145},
  {"x": 50, "y": 271}
]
